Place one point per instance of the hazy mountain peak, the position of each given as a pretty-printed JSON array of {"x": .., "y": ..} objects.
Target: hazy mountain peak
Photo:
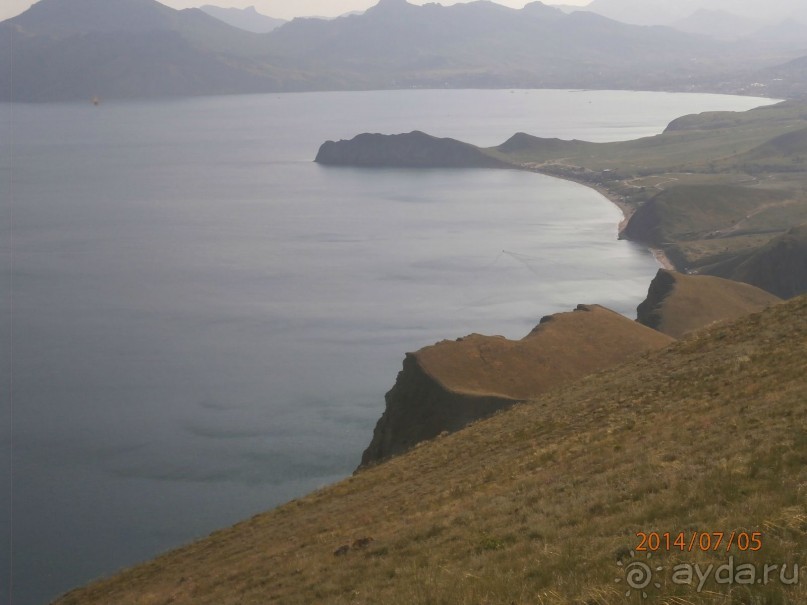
[
  {"x": 541, "y": 9},
  {"x": 65, "y": 17},
  {"x": 248, "y": 19},
  {"x": 537, "y": 5},
  {"x": 720, "y": 24},
  {"x": 62, "y": 19},
  {"x": 391, "y": 5}
]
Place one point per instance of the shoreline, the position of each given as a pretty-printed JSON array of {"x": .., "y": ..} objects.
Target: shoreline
[{"x": 627, "y": 211}]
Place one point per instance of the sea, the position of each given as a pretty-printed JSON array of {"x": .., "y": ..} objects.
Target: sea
[{"x": 199, "y": 323}]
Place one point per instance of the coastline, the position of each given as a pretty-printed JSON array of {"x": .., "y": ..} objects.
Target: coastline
[{"x": 627, "y": 210}]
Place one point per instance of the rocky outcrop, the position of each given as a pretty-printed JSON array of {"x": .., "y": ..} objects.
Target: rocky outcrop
[
  {"x": 412, "y": 150},
  {"x": 447, "y": 386},
  {"x": 778, "y": 267},
  {"x": 677, "y": 304},
  {"x": 420, "y": 407}
]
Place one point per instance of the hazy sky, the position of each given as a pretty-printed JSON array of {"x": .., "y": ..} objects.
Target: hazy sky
[{"x": 285, "y": 9}]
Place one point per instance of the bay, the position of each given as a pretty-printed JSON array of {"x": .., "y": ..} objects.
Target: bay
[{"x": 205, "y": 321}]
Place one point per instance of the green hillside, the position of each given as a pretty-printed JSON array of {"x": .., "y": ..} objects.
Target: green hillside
[{"x": 710, "y": 191}]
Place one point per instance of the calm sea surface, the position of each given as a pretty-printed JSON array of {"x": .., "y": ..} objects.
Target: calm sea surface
[{"x": 205, "y": 322}]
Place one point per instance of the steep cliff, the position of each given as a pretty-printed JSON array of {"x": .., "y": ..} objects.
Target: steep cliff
[
  {"x": 420, "y": 407},
  {"x": 448, "y": 385},
  {"x": 411, "y": 150},
  {"x": 677, "y": 304},
  {"x": 779, "y": 267}
]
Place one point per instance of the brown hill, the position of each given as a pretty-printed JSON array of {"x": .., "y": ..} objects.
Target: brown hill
[
  {"x": 446, "y": 386},
  {"x": 537, "y": 504},
  {"x": 677, "y": 304}
]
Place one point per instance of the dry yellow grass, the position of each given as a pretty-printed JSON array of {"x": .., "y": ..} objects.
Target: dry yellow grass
[
  {"x": 563, "y": 347},
  {"x": 678, "y": 304},
  {"x": 533, "y": 505}
]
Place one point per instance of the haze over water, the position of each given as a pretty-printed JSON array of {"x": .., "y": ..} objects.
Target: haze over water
[{"x": 205, "y": 321}]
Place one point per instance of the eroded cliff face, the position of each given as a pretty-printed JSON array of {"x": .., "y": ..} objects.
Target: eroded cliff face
[
  {"x": 446, "y": 386},
  {"x": 677, "y": 304},
  {"x": 419, "y": 408}
]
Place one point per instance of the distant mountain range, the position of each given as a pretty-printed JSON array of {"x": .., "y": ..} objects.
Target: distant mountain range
[
  {"x": 777, "y": 23},
  {"x": 76, "y": 49},
  {"x": 247, "y": 19},
  {"x": 664, "y": 12},
  {"x": 718, "y": 24}
]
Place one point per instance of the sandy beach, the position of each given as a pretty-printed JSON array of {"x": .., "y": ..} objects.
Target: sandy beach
[{"x": 627, "y": 210}]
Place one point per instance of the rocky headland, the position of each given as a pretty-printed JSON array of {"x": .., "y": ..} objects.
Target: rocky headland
[
  {"x": 411, "y": 150},
  {"x": 446, "y": 386}
]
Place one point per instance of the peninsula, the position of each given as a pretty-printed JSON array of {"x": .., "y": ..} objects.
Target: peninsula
[{"x": 719, "y": 193}]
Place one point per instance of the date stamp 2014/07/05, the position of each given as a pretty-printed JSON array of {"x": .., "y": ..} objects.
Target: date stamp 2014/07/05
[{"x": 716, "y": 541}]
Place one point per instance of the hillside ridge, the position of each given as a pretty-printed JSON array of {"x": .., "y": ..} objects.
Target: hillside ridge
[
  {"x": 678, "y": 304},
  {"x": 538, "y": 503}
]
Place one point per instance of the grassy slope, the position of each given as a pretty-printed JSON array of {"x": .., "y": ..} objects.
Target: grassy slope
[
  {"x": 678, "y": 304},
  {"x": 530, "y": 506},
  {"x": 694, "y": 212},
  {"x": 691, "y": 142},
  {"x": 710, "y": 187},
  {"x": 561, "y": 349}
]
